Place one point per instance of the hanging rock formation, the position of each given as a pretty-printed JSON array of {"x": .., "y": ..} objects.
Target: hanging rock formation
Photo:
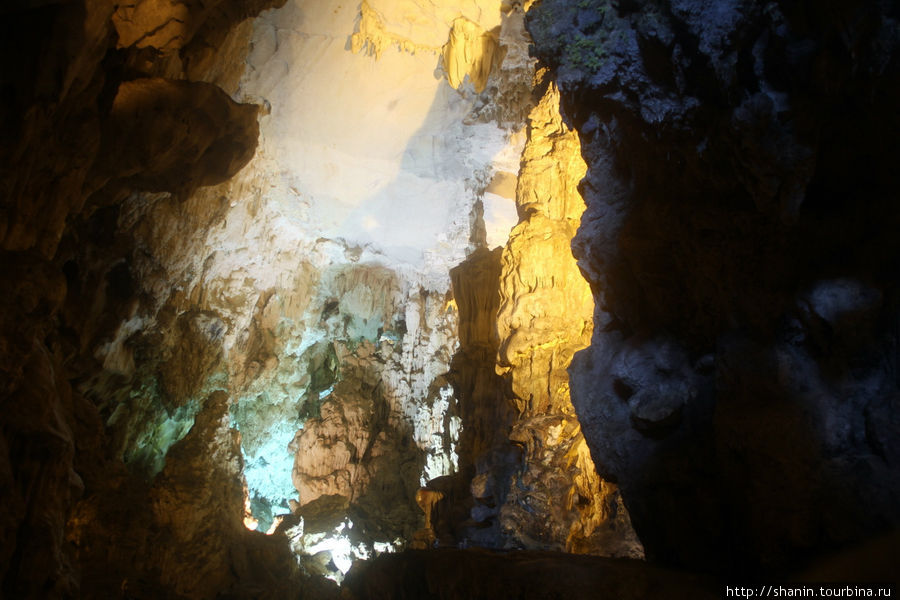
[{"x": 273, "y": 349}]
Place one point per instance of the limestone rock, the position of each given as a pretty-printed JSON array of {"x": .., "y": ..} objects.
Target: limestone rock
[
  {"x": 194, "y": 356},
  {"x": 387, "y": 22},
  {"x": 190, "y": 541},
  {"x": 170, "y": 326},
  {"x": 50, "y": 121},
  {"x": 737, "y": 281},
  {"x": 201, "y": 481},
  {"x": 544, "y": 317},
  {"x": 72, "y": 345},
  {"x": 471, "y": 52},
  {"x": 199, "y": 136},
  {"x": 168, "y": 27}
]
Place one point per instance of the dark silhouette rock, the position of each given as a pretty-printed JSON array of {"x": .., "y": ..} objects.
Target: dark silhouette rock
[{"x": 739, "y": 239}]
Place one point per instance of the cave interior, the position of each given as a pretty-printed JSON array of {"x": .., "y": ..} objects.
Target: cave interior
[{"x": 460, "y": 299}]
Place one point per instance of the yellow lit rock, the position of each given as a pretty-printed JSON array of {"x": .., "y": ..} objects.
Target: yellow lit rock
[
  {"x": 466, "y": 34},
  {"x": 158, "y": 23},
  {"x": 470, "y": 51},
  {"x": 416, "y": 25},
  {"x": 426, "y": 499},
  {"x": 545, "y": 316}
]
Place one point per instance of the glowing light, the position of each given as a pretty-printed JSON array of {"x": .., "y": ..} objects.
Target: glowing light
[
  {"x": 337, "y": 545},
  {"x": 249, "y": 522},
  {"x": 383, "y": 547},
  {"x": 370, "y": 223}
]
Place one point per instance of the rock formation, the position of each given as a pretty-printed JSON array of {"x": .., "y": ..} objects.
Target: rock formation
[
  {"x": 77, "y": 139},
  {"x": 305, "y": 267},
  {"x": 545, "y": 315},
  {"x": 739, "y": 385},
  {"x": 453, "y": 573},
  {"x": 276, "y": 348}
]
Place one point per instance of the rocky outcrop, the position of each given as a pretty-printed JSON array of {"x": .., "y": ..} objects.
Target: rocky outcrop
[
  {"x": 38, "y": 435},
  {"x": 556, "y": 500},
  {"x": 740, "y": 374},
  {"x": 76, "y": 135},
  {"x": 199, "y": 137},
  {"x": 51, "y": 120},
  {"x": 185, "y": 536},
  {"x": 487, "y": 457},
  {"x": 526, "y": 478},
  {"x": 297, "y": 287},
  {"x": 360, "y": 449},
  {"x": 470, "y": 52},
  {"x": 206, "y": 333}
]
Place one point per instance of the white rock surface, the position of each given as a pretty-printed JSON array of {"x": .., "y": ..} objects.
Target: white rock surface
[
  {"x": 364, "y": 192},
  {"x": 370, "y": 151}
]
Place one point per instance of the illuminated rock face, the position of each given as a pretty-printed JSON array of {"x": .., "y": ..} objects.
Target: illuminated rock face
[
  {"x": 523, "y": 312},
  {"x": 287, "y": 342},
  {"x": 291, "y": 326},
  {"x": 737, "y": 384},
  {"x": 545, "y": 315},
  {"x": 181, "y": 363},
  {"x": 369, "y": 181},
  {"x": 314, "y": 288}
]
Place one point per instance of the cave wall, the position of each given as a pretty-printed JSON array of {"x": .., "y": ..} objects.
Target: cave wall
[
  {"x": 741, "y": 385},
  {"x": 205, "y": 332},
  {"x": 220, "y": 317},
  {"x": 91, "y": 114}
]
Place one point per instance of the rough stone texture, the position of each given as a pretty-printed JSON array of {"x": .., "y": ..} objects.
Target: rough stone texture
[
  {"x": 158, "y": 342},
  {"x": 358, "y": 449},
  {"x": 70, "y": 289},
  {"x": 556, "y": 499},
  {"x": 294, "y": 286},
  {"x": 467, "y": 514},
  {"x": 199, "y": 137},
  {"x": 185, "y": 537},
  {"x": 741, "y": 202},
  {"x": 526, "y": 479},
  {"x": 162, "y": 293},
  {"x": 470, "y": 52},
  {"x": 38, "y": 436},
  {"x": 50, "y": 120},
  {"x": 384, "y": 23}
]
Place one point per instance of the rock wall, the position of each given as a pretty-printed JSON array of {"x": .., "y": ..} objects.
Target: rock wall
[
  {"x": 260, "y": 275},
  {"x": 526, "y": 478},
  {"x": 87, "y": 117},
  {"x": 458, "y": 574},
  {"x": 740, "y": 384}
]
